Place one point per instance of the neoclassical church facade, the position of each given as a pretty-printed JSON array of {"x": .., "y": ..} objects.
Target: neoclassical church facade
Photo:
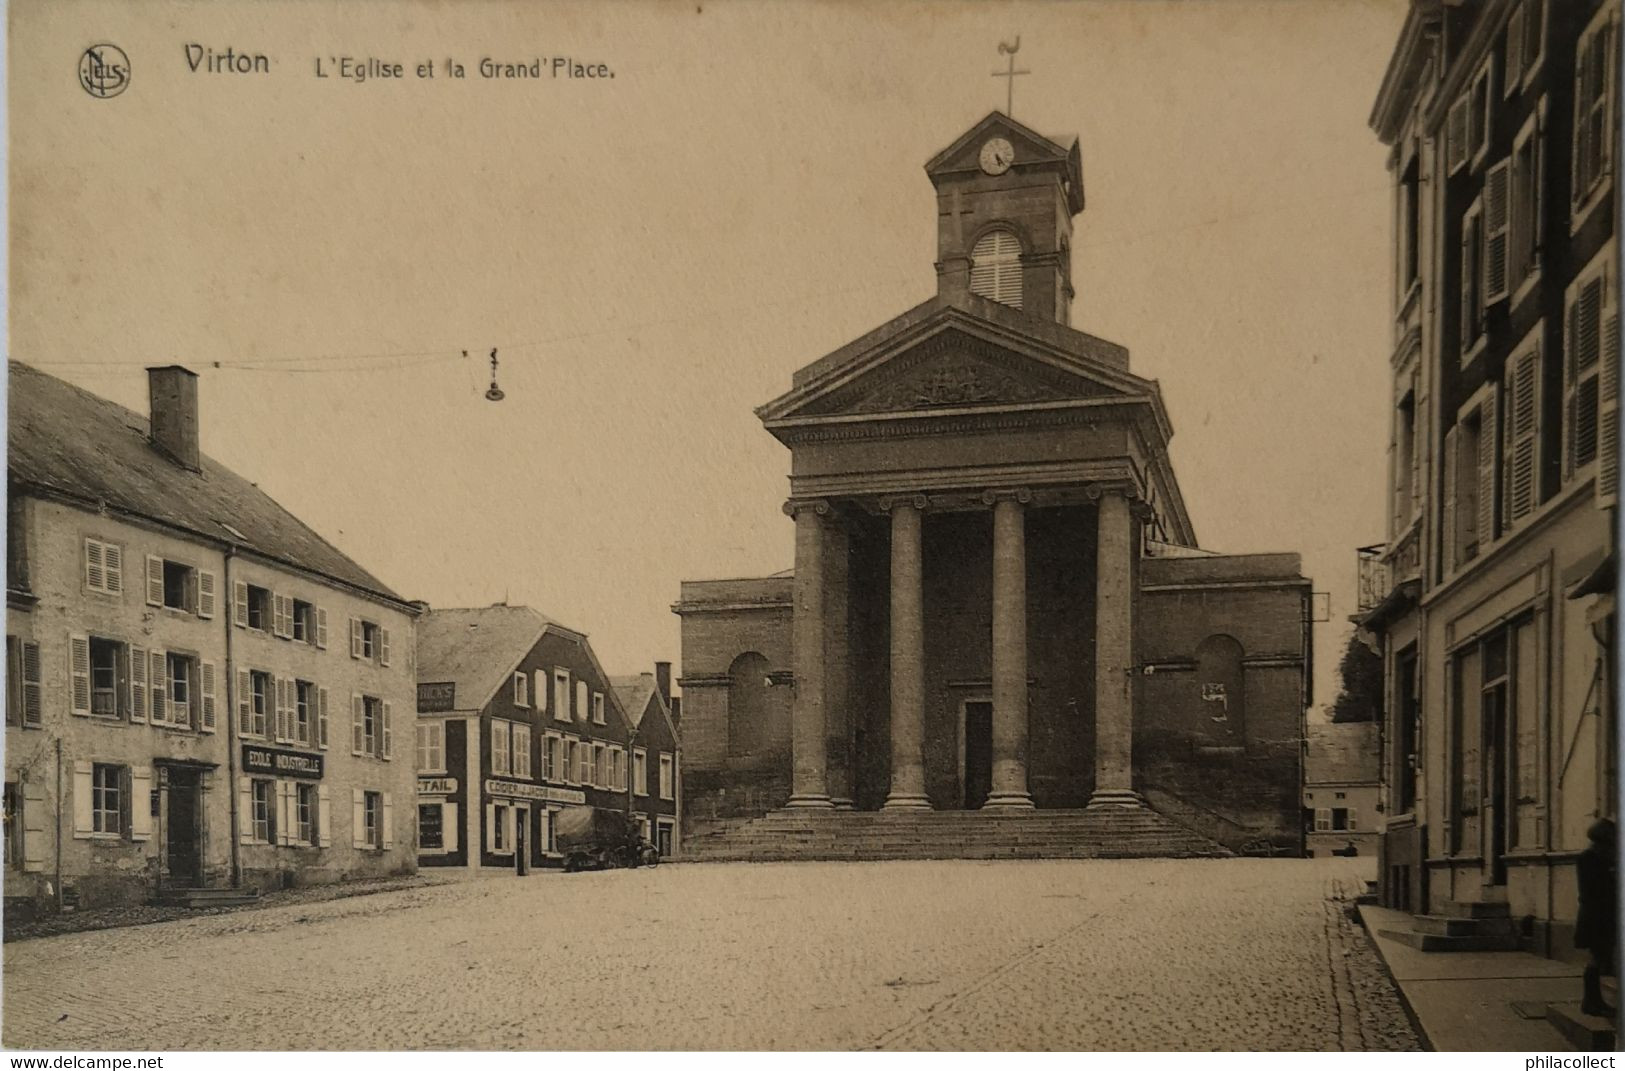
[{"x": 998, "y": 602}]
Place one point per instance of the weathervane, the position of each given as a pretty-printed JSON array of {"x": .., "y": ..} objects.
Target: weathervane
[{"x": 1009, "y": 74}]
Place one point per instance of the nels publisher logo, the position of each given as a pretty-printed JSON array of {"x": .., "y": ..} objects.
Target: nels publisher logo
[{"x": 104, "y": 71}]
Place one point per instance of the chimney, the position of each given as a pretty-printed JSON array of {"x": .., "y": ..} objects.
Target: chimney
[
  {"x": 172, "y": 397},
  {"x": 663, "y": 680}
]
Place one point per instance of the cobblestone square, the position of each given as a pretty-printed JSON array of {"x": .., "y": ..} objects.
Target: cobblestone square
[{"x": 1143, "y": 954}]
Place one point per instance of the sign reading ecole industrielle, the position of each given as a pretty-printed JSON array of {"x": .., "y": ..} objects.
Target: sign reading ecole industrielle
[{"x": 281, "y": 763}]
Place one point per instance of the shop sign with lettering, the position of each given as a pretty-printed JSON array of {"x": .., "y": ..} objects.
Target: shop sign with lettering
[
  {"x": 437, "y": 697},
  {"x": 545, "y": 793},
  {"x": 436, "y": 786},
  {"x": 280, "y": 762}
]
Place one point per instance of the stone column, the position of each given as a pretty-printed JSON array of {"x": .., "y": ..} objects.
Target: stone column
[
  {"x": 1009, "y": 788},
  {"x": 1114, "y": 654},
  {"x": 907, "y": 657},
  {"x": 808, "y": 787},
  {"x": 837, "y": 666}
]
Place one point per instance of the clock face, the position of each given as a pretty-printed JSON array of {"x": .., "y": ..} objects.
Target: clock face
[{"x": 997, "y": 156}]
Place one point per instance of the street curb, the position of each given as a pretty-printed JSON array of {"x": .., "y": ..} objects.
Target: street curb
[{"x": 1404, "y": 998}]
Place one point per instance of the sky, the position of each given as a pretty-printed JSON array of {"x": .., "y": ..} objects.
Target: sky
[{"x": 655, "y": 250}]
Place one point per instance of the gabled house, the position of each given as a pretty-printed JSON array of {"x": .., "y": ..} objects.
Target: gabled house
[{"x": 657, "y": 784}]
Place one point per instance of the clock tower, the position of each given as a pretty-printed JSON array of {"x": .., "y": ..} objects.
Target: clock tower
[{"x": 1006, "y": 196}]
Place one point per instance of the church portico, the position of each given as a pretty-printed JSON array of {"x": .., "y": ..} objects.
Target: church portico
[{"x": 978, "y": 490}]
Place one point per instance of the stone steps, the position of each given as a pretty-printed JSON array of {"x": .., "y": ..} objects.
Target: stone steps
[
  {"x": 1587, "y": 1033},
  {"x": 200, "y": 898},
  {"x": 1462, "y": 926},
  {"x": 1105, "y": 833}
]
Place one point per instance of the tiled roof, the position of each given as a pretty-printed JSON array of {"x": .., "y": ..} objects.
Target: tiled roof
[
  {"x": 476, "y": 648},
  {"x": 1342, "y": 753},
  {"x": 634, "y": 694},
  {"x": 67, "y": 442}
]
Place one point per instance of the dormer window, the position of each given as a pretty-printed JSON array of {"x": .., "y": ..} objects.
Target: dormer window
[{"x": 996, "y": 268}]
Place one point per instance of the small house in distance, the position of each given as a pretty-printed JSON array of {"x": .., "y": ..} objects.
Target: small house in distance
[
  {"x": 657, "y": 783},
  {"x": 1340, "y": 792}
]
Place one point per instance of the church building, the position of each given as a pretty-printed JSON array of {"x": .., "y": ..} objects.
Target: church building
[{"x": 998, "y": 602}]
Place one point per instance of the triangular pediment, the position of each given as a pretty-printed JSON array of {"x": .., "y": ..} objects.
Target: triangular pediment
[
  {"x": 953, "y": 369},
  {"x": 963, "y": 154}
]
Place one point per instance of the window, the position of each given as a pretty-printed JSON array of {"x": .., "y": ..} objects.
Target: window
[
  {"x": 371, "y": 727},
  {"x": 1342, "y": 819},
  {"x": 1479, "y": 114},
  {"x": 551, "y": 770},
  {"x": 13, "y": 827},
  {"x": 369, "y": 641},
  {"x": 598, "y": 708},
  {"x": 665, "y": 834},
  {"x": 431, "y": 746},
  {"x": 1496, "y": 224},
  {"x": 667, "y": 778},
  {"x": 179, "y": 586},
  {"x": 105, "y": 659},
  {"x": 1470, "y": 478},
  {"x": 181, "y": 672},
  {"x": 500, "y": 840},
  {"x": 640, "y": 771},
  {"x": 1593, "y": 88},
  {"x": 23, "y": 685},
  {"x": 581, "y": 700},
  {"x": 1472, "y": 264},
  {"x": 617, "y": 768},
  {"x": 304, "y": 812},
  {"x": 107, "y": 798},
  {"x": 521, "y": 690},
  {"x": 1525, "y": 36},
  {"x": 521, "y": 751},
  {"x": 304, "y": 623},
  {"x": 1591, "y": 375},
  {"x": 600, "y": 766},
  {"x": 372, "y": 810},
  {"x": 995, "y": 271},
  {"x": 261, "y": 608},
  {"x": 262, "y": 810},
  {"x": 304, "y": 712},
  {"x": 1340, "y": 795},
  {"x": 1405, "y": 468},
  {"x": 539, "y": 693},
  {"x": 1526, "y": 202},
  {"x": 499, "y": 747},
  {"x": 583, "y": 762},
  {"x": 259, "y": 703},
  {"x": 1323, "y": 819},
  {"x": 561, "y": 695},
  {"x": 1410, "y": 207},
  {"x": 431, "y": 827},
  {"x": 104, "y": 567}
]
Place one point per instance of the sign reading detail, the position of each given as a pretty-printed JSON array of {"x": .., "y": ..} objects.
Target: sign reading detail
[
  {"x": 274, "y": 760},
  {"x": 436, "y": 786},
  {"x": 535, "y": 792},
  {"x": 437, "y": 697}
]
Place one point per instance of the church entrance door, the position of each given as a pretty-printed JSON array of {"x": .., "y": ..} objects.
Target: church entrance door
[{"x": 978, "y": 772}]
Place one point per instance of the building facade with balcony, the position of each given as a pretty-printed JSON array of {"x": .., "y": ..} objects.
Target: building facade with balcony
[
  {"x": 1493, "y": 596},
  {"x": 201, "y": 691}
]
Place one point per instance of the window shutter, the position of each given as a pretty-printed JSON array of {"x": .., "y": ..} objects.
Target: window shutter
[
  {"x": 1585, "y": 344},
  {"x": 490, "y": 827},
  {"x": 448, "y": 825},
  {"x": 324, "y": 817},
  {"x": 245, "y": 809},
  {"x": 158, "y": 686},
  {"x": 34, "y": 826},
  {"x": 355, "y": 637},
  {"x": 33, "y": 686},
  {"x": 155, "y": 581},
  {"x": 1608, "y": 411},
  {"x": 83, "y": 823},
  {"x": 1580, "y": 183},
  {"x": 1521, "y": 490},
  {"x": 383, "y": 646},
  {"x": 1497, "y": 190},
  {"x": 1513, "y": 68},
  {"x": 321, "y": 628},
  {"x": 358, "y": 818},
  {"x": 1456, "y": 134},
  {"x": 205, "y": 594},
  {"x": 1353, "y": 822},
  {"x": 1468, "y": 265},
  {"x": 276, "y": 615},
  {"x": 113, "y": 559},
  {"x": 140, "y": 803},
  {"x": 389, "y": 821},
  {"x": 206, "y": 675},
  {"x": 245, "y": 703},
  {"x": 95, "y": 569},
  {"x": 284, "y": 813},
  {"x": 356, "y": 727},
  {"x": 321, "y": 718},
  {"x": 389, "y": 730},
  {"x": 79, "y": 667},
  {"x": 1488, "y": 446},
  {"x": 279, "y": 688},
  {"x": 1447, "y": 525}
]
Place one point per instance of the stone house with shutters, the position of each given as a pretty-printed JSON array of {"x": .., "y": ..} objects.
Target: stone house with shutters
[
  {"x": 158, "y": 738},
  {"x": 1493, "y": 598}
]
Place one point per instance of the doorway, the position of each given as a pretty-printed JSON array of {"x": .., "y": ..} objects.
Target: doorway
[
  {"x": 182, "y": 853},
  {"x": 978, "y": 774},
  {"x": 1496, "y": 757},
  {"x": 521, "y": 840}
]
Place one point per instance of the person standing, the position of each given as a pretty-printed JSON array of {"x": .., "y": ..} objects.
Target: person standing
[{"x": 1597, "y": 927}]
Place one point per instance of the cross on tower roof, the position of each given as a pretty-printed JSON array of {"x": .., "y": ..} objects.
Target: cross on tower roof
[{"x": 1009, "y": 74}]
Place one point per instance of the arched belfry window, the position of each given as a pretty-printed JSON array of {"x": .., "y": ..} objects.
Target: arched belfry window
[{"x": 995, "y": 270}]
